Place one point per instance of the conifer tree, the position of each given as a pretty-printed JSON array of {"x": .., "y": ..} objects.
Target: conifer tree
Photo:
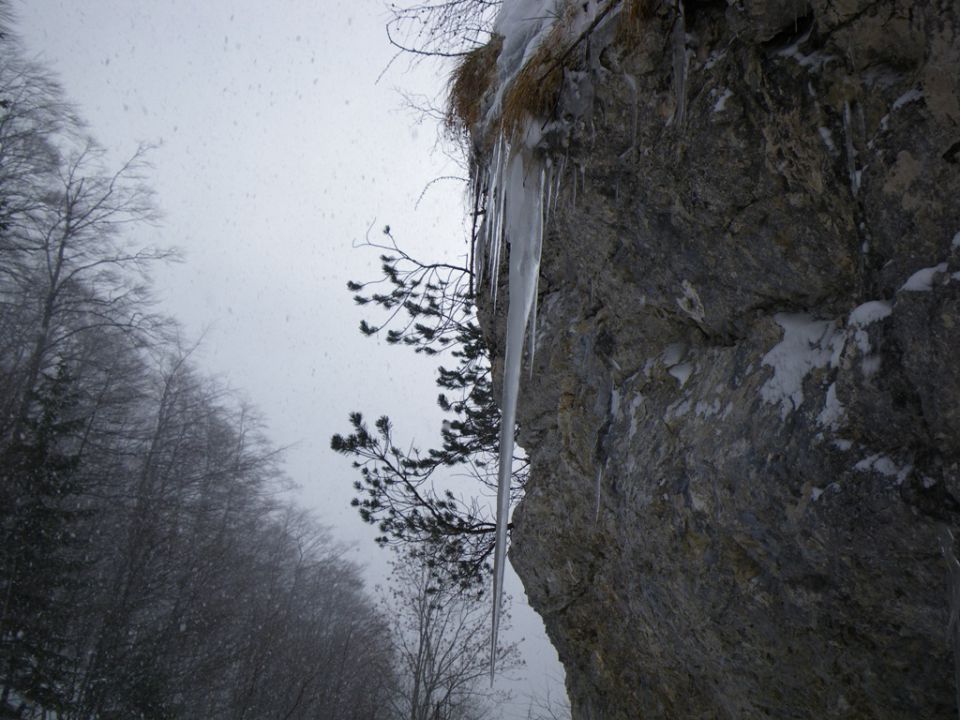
[{"x": 430, "y": 309}]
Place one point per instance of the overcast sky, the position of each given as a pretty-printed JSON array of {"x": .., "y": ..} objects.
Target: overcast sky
[{"x": 277, "y": 149}]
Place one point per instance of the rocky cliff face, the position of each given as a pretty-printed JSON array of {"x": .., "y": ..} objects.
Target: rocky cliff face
[{"x": 744, "y": 414}]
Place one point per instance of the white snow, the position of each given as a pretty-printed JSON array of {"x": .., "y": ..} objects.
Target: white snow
[
  {"x": 860, "y": 318},
  {"x": 955, "y": 243},
  {"x": 672, "y": 354},
  {"x": 682, "y": 372},
  {"x": 807, "y": 344},
  {"x": 882, "y": 464},
  {"x": 690, "y": 303},
  {"x": 922, "y": 280},
  {"x": 869, "y": 312},
  {"x": 908, "y": 97},
  {"x": 832, "y": 413},
  {"x": 827, "y": 136},
  {"x": 815, "y": 493},
  {"x": 721, "y": 102}
]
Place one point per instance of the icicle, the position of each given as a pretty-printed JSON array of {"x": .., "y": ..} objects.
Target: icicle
[
  {"x": 524, "y": 231},
  {"x": 596, "y": 516},
  {"x": 542, "y": 200},
  {"x": 679, "y": 39},
  {"x": 850, "y": 149},
  {"x": 558, "y": 179}
]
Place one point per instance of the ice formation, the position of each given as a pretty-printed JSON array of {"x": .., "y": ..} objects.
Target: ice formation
[
  {"x": 517, "y": 185},
  {"x": 522, "y": 185}
]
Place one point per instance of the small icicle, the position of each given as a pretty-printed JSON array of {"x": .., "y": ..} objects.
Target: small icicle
[
  {"x": 541, "y": 223},
  {"x": 851, "y": 151},
  {"x": 596, "y": 516}
]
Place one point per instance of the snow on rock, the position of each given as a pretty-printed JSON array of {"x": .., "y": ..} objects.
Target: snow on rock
[
  {"x": 869, "y": 312},
  {"x": 827, "y": 136},
  {"x": 721, "y": 102},
  {"x": 682, "y": 372},
  {"x": 860, "y": 318},
  {"x": 908, "y": 97},
  {"x": 922, "y": 280},
  {"x": 807, "y": 344},
  {"x": 832, "y": 413},
  {"x": 883, "y": 465},
  {"x": 955, "y": 243},
  {"x": 523, "y": 25}
]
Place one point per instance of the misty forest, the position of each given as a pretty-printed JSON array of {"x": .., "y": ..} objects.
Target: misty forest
[{"x": 152, "y": 563}]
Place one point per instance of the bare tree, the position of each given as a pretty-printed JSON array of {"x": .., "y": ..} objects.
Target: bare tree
[{"x": 442, "y": 647}]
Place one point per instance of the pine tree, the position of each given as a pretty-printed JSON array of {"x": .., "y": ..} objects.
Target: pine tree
[{"x": 431, "y": 310}]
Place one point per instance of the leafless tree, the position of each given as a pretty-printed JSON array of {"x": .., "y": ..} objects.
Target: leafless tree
[{"x": 442, "y": 646}]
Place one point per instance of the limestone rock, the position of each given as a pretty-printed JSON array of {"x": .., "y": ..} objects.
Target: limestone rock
[{"x": 750, "y": 330}]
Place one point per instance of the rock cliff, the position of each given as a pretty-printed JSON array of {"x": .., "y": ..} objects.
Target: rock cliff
[{"x": 744, "y": 413}]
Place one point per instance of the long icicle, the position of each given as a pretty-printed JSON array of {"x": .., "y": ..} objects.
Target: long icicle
[{"x": 523, "y": 229}]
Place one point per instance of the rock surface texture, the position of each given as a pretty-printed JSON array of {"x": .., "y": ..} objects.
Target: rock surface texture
[{"x": 749, "y": 331}]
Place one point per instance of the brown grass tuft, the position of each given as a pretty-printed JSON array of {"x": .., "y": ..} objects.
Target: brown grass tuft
[
  {"x": 634, "y": 16},
  {"x": 469, "y": 82},
  {"x": 535, "y": 90}
]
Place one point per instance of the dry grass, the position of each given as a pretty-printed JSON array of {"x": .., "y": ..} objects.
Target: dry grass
[
  {"x": 471, "y": 80},
  {"x": 636, "y": 14},
  {"x": 535, "y": 90}
]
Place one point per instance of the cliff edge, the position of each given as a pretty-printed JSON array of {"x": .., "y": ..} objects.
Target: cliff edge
[{"x": 743, "y": 418}]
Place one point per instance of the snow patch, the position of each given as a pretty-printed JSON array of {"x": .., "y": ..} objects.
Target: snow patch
[
  {"x": 880, "y": 463},
  {"x": 807, "y": 344},
  {"x": 690, "y": 303},
  {"x": 955, "y": 243},
  {"x": 860, "y": 318},
  {"x": 721, "y": 102},
  {"x": 827, "y": 136},
  {"x": 908, "y": 97},
  {"x": 673, "y": 354},
  {"x": 833, "y": 411},
  {"x": 682, "y": 372},
  {"x": 869, "y": 312},
  {"x": 922, "y": 280}
]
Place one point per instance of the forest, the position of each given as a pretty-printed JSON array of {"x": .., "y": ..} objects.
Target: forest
[{"x": 152, "y": 564}]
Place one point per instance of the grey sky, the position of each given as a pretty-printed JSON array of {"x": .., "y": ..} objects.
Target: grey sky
[{"x": 277, "y": 150}]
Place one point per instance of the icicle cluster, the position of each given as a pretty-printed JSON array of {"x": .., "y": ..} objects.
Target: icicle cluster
[{"x": 522, "y": 186}]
